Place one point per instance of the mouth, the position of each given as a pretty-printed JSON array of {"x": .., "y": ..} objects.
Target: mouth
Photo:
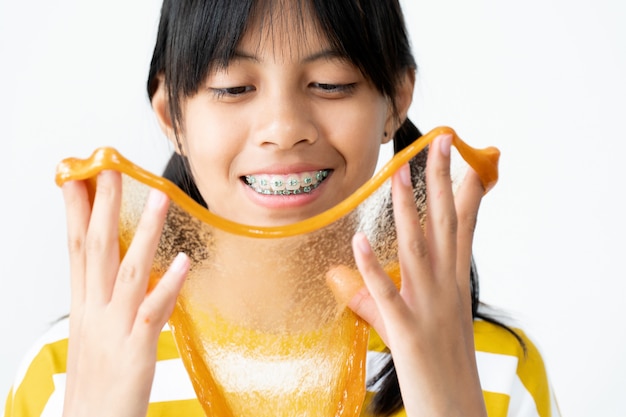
[{"x": 290, "y": 184}]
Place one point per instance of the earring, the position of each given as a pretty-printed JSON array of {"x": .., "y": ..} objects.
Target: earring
[{"x": 385, "y": 133}]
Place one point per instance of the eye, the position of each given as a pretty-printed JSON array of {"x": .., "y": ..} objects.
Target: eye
[
  {"x": 232, "y": 92},
  {"x": 334, "y": 90}
]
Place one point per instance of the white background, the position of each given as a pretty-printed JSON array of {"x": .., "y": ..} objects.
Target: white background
[{"x": 544, "y": 80}]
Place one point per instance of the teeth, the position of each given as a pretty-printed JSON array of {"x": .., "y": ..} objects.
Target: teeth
[
  {"x": 286, "y": 184},
  {"x": 293, "y": 182},
  {"x": 277, "y": 183}
]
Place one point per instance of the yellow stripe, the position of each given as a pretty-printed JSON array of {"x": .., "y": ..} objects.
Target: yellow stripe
[
  {"x": 8, "y": 405},
  {"x": 530, "y": 368},
  {"x": 166, "y": 349},
  {"x": 375, "y": 343},
  {"x": 497, "y": 404},
  {"x": 495, "y": 339},
  {"x": 37, "y": 386},
  {"x": 491, "y": 338},
  {"x": 532, "y": 372},
  {"x": 187, "y": 408}
]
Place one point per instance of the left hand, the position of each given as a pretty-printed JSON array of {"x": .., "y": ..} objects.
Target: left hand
[
  {"x": 428, "y": 324},
  {"x": 114, "y": 324}
]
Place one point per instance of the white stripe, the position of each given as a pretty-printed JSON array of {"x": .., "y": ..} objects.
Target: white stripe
[
  {"x": 497, "y": 372},
  {"x": 522, "y": 404},
  {"x": 554, "y": 405},
  {"x": 171, "y": 382},
  {"x": 373, "y": 365},
  {"x": 59, "y": 331},
  {"x": 242, "y": 371},
  {"x": 54, "y": 406}
]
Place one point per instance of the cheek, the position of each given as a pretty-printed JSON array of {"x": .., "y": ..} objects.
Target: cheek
[
  {"x": 360, "y": 131},
  {"x": 209, "y": 136},
  {"x": 210, "y": 144}
]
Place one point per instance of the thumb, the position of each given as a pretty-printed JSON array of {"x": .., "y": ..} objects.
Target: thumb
[{"x": 350, "y": 291}]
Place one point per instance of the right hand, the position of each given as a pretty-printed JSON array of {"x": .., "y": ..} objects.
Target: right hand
[
  {"x": 427, "y": 324},
  {"x": 114, "y": 323}
]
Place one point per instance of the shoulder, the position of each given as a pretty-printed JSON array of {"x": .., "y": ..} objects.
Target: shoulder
[
  {"x": 47, "y": 355},
  {"x": 41, "y": 370},
  {"x": 512, "y": 370},
  {"x": 39, "y": 385}
]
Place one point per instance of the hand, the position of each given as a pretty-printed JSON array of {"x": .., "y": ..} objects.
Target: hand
[
  {"x": 114, "y": 324},
  {"x": 427, "y": 324}
]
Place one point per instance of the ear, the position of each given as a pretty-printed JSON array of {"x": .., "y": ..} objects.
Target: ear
[
  {"x": 160, "y": 105},
  {"x": 403, "y": 100}
]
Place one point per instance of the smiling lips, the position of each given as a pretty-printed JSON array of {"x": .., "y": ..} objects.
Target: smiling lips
[{"x": 290, "y": 184}]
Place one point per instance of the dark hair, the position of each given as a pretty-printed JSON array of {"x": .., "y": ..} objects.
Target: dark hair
[{"x": 195, "y": 37}]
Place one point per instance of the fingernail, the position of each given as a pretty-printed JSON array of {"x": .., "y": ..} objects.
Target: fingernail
[
  {"x": 445, "y": 142},
  {"x": 156, "y": 198},
  {"x": 362, "y": 243},
  {"x": 180, "y": 263},
  {"x": 404, "y": 172}
]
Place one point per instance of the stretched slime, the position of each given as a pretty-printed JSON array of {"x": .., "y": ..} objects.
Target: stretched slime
[{"x": 261, "y": 323}]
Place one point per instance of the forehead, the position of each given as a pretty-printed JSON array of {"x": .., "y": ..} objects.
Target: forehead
[{"x": 288, "y": 30}]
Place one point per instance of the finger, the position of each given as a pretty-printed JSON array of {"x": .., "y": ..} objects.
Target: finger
[
  {"x": 132, "y": 278},
  {"x": 413, "y": 252},
  {"x": 349, "y": 289},
  {"x": 344, "y": 282},
  {"x": 467, "y": 202},
  {"x": 441, "y": 223},
  {"x": 388, "y": 307},
  {"x": 77, "y": 213},
  {"x": 363, "y": 305},
  {"x": 102, "y": 245},
  {"x": 159, "y": 304}
]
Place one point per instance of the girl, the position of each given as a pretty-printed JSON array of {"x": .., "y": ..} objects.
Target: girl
[{"x": 279, "y": 87}]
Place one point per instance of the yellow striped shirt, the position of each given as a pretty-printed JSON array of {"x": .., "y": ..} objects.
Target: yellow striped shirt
[{"x": 514, "y": 382}]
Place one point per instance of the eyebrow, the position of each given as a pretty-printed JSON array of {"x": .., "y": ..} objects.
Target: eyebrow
[{"x": 323, "y": 54}]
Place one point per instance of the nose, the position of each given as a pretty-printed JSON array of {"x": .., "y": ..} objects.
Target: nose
[{"x": 284, "y": 121}]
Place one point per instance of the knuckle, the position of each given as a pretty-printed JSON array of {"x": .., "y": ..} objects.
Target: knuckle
[
  {"x": 148, "y": 225},
  {"x": 439, "y": 172},
  {"x": 451, "y": 224},
  {"x": 388, "y": 291},
  {"x": 151, "y": 223},
  {"x": 75, "y": 245},
  {"x": 443, "y": 172},
  {"x": 447, "y": 223},
  {"x": 105, "y": 188},
  {"x": 95, "y": 244},
  {"x": 127, "y": 273},
  {"x": 418, "y": 248},
  {"x": 468, "y": 221},
  {"x": 357, "y": 302},
  {"x": 165, "y": 288}
]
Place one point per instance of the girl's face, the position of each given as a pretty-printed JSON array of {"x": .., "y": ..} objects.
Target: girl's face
[{"x": 286, "y": 131}]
